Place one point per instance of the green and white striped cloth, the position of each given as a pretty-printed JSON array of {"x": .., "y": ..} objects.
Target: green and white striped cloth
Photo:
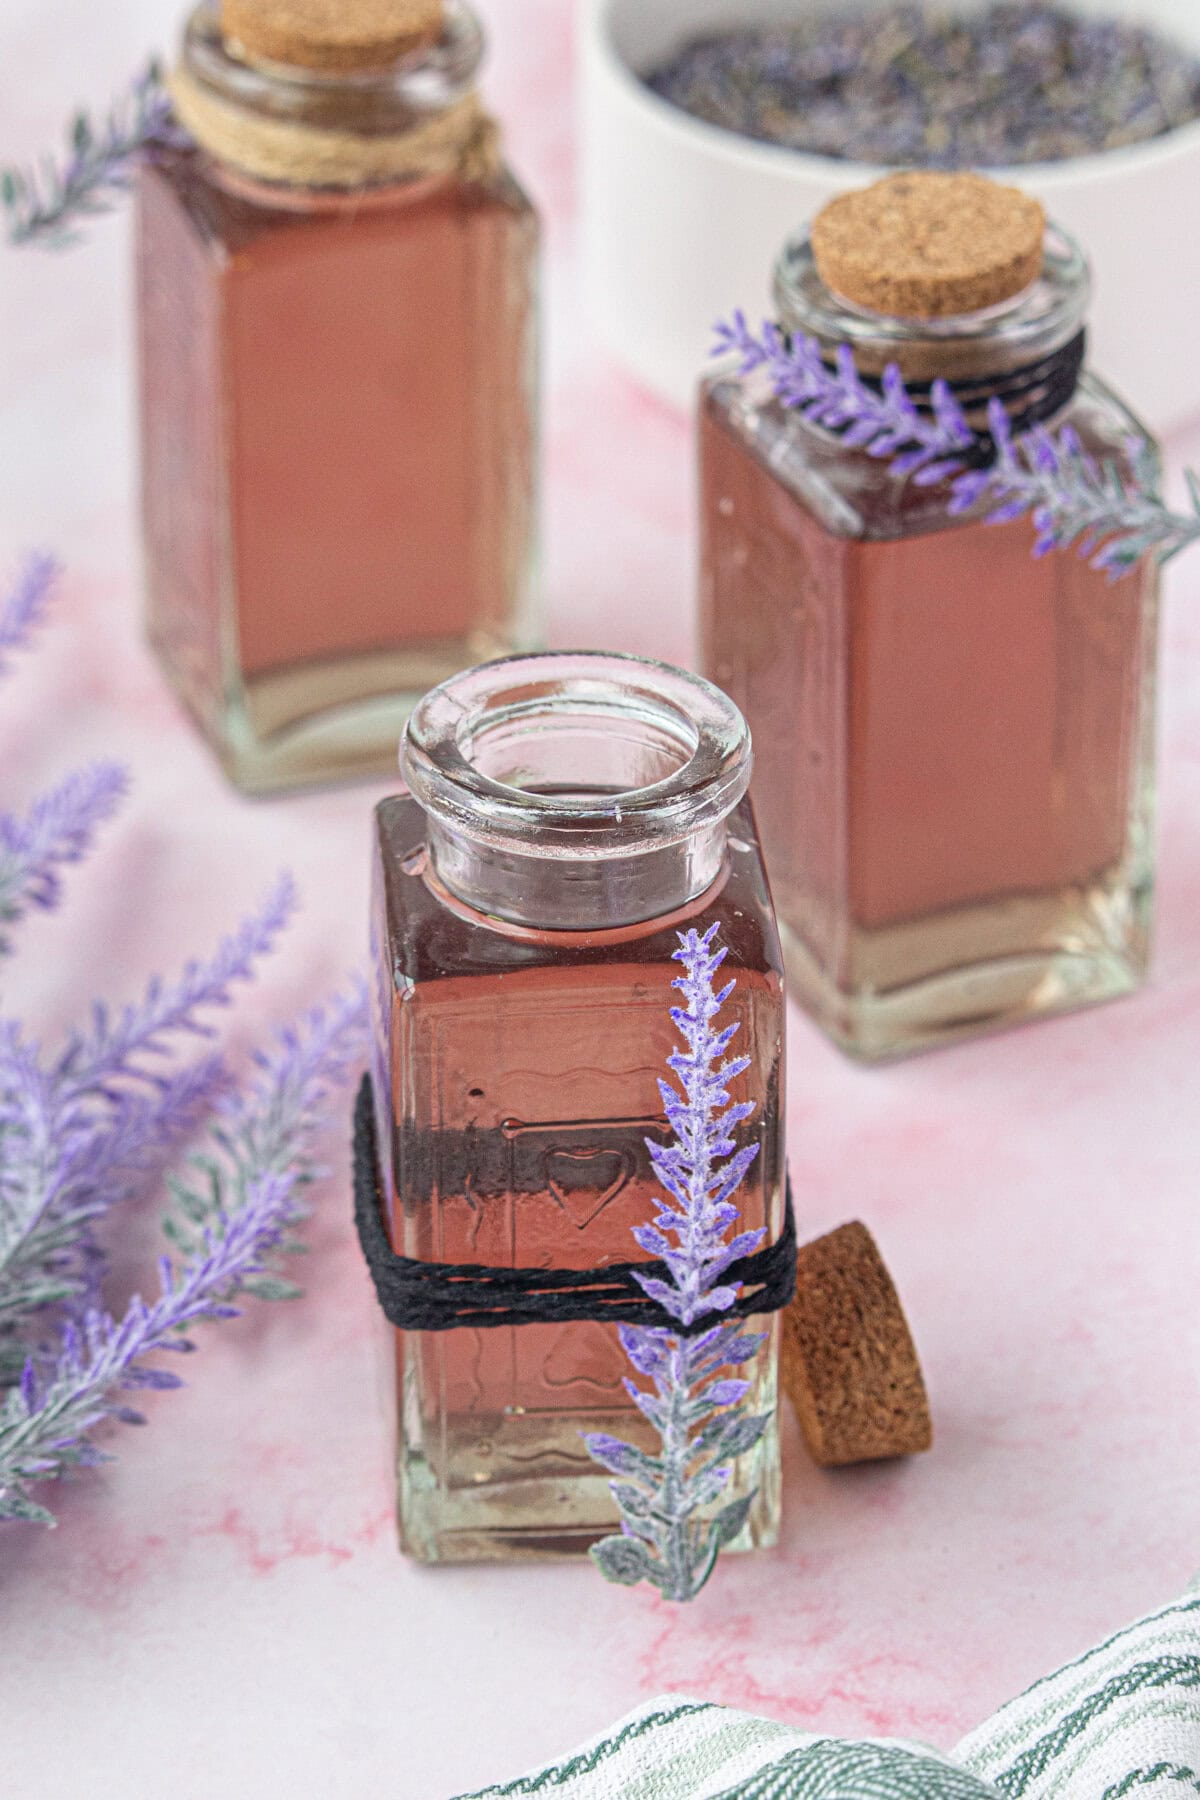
[{"x": 1123, "y": 1720}]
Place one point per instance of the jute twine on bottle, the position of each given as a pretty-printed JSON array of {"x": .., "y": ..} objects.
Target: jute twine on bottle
[{"x": 464, "y": 139}]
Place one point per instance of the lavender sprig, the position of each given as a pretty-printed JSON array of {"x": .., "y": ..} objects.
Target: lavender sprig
[
  {"x": 24, "y": 606},
  {"x": 669, "y": 1536},
  {"x": 46, "y": 203},
  {"x": 58, "y": 829},
  {"x": 884, "y": 422},
  {"x": 231, "y": 1224},
  {"x": 63, "y": 1170},
  {"x": 81, "y": 1128},
  {"x": 1113, "y": 519},
  {"x": 121, "y": 1047}
]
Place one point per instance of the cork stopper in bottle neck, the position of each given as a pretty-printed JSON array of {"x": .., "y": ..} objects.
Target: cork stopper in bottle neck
[
  {"x": 316, "y": 134},
  {"x": 331, "y": 36},
  {"x": 928, "y": 245}
]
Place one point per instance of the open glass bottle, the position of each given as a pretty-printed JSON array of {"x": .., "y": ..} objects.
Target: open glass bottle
[{"x": 568, "y": 815}]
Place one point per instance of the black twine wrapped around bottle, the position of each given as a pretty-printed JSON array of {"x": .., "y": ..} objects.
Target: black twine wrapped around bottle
[
  {"x": 426, "y": 1296},
  {"x": 1030, "y": 395}
]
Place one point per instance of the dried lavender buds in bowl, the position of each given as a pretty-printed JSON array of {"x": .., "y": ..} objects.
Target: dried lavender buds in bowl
[
  {"x": 699, "y": 160},
  {"x": 1016, "y": 81}
]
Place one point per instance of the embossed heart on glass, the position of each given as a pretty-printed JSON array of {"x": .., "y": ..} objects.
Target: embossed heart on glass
[{"x": 584, "y": 1181}]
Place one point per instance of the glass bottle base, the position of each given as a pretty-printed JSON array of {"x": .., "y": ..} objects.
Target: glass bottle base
[
  {"x": 552, "y": 1516},
  {"x": 1013, "y": 961},
  {"x": 321, "y": 723}
]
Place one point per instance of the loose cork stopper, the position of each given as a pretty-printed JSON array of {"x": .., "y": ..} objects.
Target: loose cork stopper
[
  {"x": 929, "y": 245},
  {"x": 848, "y": 1360},
  {"x": 332, "y": 35}
]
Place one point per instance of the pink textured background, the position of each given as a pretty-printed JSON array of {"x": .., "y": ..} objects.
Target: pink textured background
[{"x": 223, "y": 1612}]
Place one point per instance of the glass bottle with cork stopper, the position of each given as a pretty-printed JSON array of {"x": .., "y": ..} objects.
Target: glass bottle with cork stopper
[
  {"x": 568, "y": 816},
  {"x": 337, "y": 360},
  {"x": 954, "y": 737}
]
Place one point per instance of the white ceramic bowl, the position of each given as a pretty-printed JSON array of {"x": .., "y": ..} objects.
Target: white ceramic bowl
[{"x": 683, "y": 221}]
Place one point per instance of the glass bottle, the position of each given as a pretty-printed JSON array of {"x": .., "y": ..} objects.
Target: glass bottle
[
  {"x": 568, "y": 814},
  {"x": 336, "y": 300},
  {"x": 954, "y": 739}
]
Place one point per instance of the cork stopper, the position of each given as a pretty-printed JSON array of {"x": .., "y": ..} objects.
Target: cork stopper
[
  {"x": 332, "y": 36},
  {"x": 929, "y": 245},
  {"x": 848, "y": 1359}
]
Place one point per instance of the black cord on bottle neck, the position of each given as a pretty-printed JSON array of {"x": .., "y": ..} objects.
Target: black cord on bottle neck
[{"x": 1031, "y": 395}]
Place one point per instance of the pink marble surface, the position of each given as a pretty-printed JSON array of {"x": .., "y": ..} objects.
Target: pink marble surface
[{"x": 222, "y": 1611}]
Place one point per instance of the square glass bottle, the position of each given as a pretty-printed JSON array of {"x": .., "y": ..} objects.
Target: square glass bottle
[
  {"x": 954, "y": 738},
  {"x": 568, "y": 815},
  {"x": 337, "y": 356}
]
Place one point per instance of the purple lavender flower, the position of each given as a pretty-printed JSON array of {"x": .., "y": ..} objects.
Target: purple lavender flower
[
  {"x": 58, "y": 829},
  {"x": 884, "y": 422},
  {"x": 24, "y": 607},
  {"x": 60, "y": 826},
  {"x": 84, "y": 1128},
  {"x": 46, "y": 204},
  {"x": 230, "y": 1225},
  {"x": 119, "y": 1047},
  {"x": 1112, "y": 519},
  {"x": 669, "y": 1535}
]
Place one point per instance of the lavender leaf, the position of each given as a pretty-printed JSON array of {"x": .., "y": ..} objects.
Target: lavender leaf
[
  {"x": 731, "y": 1520},
  {"x": 624, "y": 1561}
]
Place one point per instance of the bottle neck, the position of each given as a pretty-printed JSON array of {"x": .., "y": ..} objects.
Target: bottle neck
[
  {"x": 577, "y": 792},
  {"x": 1010, "y": 348},
  {"x": 306, "y": 130},
  {"x": 575, "y": 893}
]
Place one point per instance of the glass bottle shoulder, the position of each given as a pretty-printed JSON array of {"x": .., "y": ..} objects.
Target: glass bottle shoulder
[
  {"x": 433, "y": 940},
  {"x": 855, "y": 496},
  {"x": 229, "y": 213}
]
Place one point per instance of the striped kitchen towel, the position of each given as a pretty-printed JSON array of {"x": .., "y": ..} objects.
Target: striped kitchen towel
[{"x": 1122, "y": 1721}]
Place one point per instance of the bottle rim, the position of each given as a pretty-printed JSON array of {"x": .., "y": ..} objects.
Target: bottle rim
[
  {"x": 589, "y": 755},
  {"x": 415, "y": 87}
]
